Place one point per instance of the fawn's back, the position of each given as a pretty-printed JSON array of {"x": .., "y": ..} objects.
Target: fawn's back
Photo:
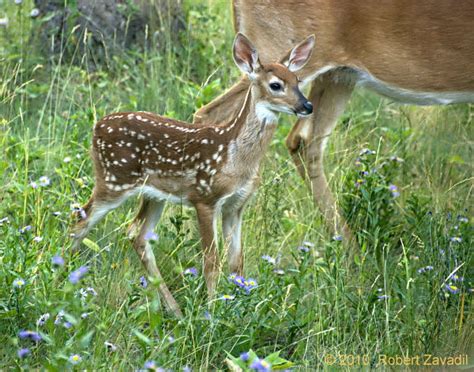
[{"x": 182, "y": 161}]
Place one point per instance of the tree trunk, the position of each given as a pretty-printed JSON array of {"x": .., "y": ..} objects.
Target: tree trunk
[{"x": 104, "y": 27}]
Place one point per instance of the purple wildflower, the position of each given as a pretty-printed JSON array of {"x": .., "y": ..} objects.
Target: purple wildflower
[
  {"x": 239, "y": 281},
  {"x": 57, "y": 261},
  {"x": 191, "y": 271},
  {"x": 250, "y": 284},
  {"x": 463, "y": 219},
  {"x": 84, "y": 293},
  {"x": 59, "y": 318},
  {"x": 150, "y": 364},
  {"x": 456, "y": 278},
  {"x": 244, "y": 356},
  {"x": 269, "y": 259},
  {"x": 452, "y": 288},
  {"x": 19, "y": 283},
  {"x": 67, "y": 325},
  {"x": 187, "y": 369},
  {"x": 382, "y": 297},
  {"x": 424, "y": 269},
  {"x": 22, "y": 353},
  {"x": 25, "y": 229},
  {"x": 84, "y": 315},
  {"x": 150, "y": 235},
  {"x": 306, "y": 246},
  {"x": 44, "y": 181},
  {"x": 42, "y": 320},
  {"x": 260, "y": 365},
  {"x": 366, "y": 151},
  {"x": 207, "y": 315},
  {"x": 78, "y": 274},
  {"x": 143, "y": 282},
  {"x": 456, "y": 239},
  {"x": 359, "y": 182},
  {"x": 31, "y": 335},
  {"x": 75, "y": 359},
  {"x": 337, "y": 238},
  {"x": 34, "y": 185},
  {"x": 394, "y": 191}
]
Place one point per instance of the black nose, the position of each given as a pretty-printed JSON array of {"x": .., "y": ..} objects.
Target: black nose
[{"x": 308, "y": 106}]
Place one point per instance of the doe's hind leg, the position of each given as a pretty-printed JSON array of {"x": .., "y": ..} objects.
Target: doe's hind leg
[{"x": 146, "y": 219}]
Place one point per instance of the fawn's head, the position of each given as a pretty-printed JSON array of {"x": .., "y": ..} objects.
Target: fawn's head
[{"x": 277, "y": 83}]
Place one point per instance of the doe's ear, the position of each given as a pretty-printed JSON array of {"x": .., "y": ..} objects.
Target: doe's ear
[
  {"x": 299, "y": 55},
  {"x": 245, "y": 55}
]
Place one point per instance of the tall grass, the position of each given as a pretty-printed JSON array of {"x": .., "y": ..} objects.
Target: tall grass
[{"x": 408, "y": 291}]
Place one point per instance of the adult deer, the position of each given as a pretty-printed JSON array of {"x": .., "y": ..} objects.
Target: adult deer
[
  {"x": 419, "y": 52},
  {"x": 212, "y": 167}
]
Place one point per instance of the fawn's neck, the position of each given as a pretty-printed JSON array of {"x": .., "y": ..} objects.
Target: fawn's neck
[{"x": 251, "y": 130}]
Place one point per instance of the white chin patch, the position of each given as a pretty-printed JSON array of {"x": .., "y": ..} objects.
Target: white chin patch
[{"x": 264, "y": 113}]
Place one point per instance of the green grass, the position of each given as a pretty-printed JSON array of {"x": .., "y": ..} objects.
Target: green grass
[{"x": 321, "y": 304}]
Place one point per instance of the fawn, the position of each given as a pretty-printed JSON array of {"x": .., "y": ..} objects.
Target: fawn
[{"x": 211, "y": 167}]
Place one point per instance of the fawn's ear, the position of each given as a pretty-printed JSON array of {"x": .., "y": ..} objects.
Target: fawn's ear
[
  {"x": 299, "y": 55},
  {"x": 245, "y": 55}
]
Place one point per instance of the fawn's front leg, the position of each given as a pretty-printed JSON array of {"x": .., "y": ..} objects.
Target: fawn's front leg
[
  {"x": 207, "y": 216},
  {"x": 232, "y": 229}
]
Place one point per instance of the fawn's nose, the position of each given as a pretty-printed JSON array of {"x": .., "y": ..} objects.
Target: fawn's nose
[
  {"x": 305, "y": 109},
  {"x": 308, "y": 106}
]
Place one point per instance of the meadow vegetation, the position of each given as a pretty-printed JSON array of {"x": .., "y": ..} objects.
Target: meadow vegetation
[{"x": 402, "y": 174}]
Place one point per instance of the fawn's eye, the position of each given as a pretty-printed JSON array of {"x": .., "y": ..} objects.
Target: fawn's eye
[{"x": 275, "y": 86}]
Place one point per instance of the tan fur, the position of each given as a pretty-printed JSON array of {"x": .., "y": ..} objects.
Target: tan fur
[{"x": 420, "y": 52}]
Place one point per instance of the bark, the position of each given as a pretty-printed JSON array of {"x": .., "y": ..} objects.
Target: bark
[{"x": 105, "y": 27}]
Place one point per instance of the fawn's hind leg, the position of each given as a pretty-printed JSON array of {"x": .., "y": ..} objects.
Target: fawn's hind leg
[
  {"x": 145, "y": 221},
  {"x": 92, "y": 212}
]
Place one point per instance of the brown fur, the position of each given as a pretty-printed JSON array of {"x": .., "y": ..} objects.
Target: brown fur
[{"x": 424, "y": 46}]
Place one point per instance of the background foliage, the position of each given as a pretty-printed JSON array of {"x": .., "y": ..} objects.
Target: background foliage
[{"x": 408, "y": 291}]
